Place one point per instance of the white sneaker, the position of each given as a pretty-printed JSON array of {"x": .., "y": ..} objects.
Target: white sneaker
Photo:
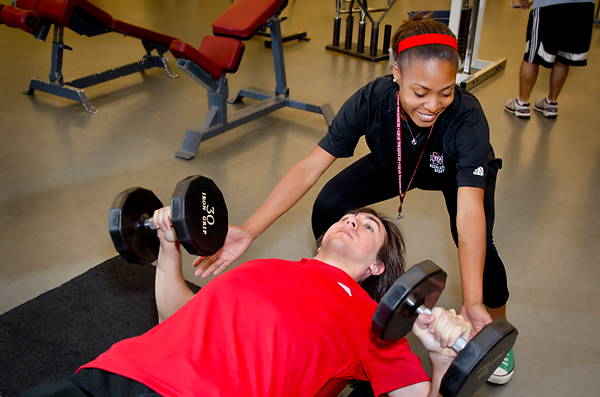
[
  {"x": 547, "y": 107},
  {"x": 518, "y": 108}
]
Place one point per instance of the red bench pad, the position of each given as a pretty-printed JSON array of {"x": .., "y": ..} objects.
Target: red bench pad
[
  {"x": 224, "y": 51},
  {"x": 244, "y": 17},
  {"x": 61, "y": 12},
  {"x": 21, "y": 19},
  {"x": 141, "y": 33},
  {"x": 215, "y": 55}
]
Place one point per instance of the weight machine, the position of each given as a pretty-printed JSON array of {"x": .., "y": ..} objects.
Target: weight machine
[
  {"x": 465, "y": 21},
  {"x": 474, "y": 71}
]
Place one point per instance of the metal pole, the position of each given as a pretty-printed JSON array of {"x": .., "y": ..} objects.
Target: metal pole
[
  {"x": 337, "y": 23},
  {"x": 362, "y": 26},
  {"x": 277, "y": 44},
  {"x": 349, "y": 26},
  {"x": 471, "y": 39},
  {"x": 57, "y": 55},
  {"x": 387, "y": 34},
  {"x": 374, "y": 39}
]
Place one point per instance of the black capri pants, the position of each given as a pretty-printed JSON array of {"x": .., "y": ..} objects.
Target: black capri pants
[{"x": 362, "y": 184}]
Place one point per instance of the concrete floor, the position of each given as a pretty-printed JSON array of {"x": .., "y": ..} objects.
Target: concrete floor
[{"x": 60, "y": 168}]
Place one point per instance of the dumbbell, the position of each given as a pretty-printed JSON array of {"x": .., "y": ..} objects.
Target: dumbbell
[
  {"x": 415, "y": 292},
  {"x": 198, "y": 213}
]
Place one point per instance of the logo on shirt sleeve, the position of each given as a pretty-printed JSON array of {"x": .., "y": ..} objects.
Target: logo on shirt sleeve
[
  {"x": 345, "y": 288},
  {"x": 478, "y": 171},
  {"x": 437, "y": 162}
]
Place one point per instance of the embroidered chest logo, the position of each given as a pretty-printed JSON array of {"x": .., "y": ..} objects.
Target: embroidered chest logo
[
  {"x": 345, "y": 288},
  {"x": 478, "y": 171},
  {"x": 437, "y": 162}
]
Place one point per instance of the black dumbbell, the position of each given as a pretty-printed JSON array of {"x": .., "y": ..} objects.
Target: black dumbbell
[
  {"x": 198, "y": 213},
  {"x": 418, "y": 290}
]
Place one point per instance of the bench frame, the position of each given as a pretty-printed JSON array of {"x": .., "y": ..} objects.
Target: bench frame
[
  {"x": 74, "y": 89},
  {"x": 217, "y": 121}
]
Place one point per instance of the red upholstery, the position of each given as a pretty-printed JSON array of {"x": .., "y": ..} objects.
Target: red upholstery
[
  {"x": 224, "y": 51},
  {"x": 140, "y": 33},
  {"x": 244, "y": 17},
  {"x": 182, "y": 50},
  {"x": 60, "y": 11},
  {"x": 21, "y": 19},
  {"x": 215, "y": 55}
]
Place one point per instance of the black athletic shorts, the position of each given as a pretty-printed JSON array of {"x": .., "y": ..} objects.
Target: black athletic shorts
[
  {"x": 91, "y": 382},
  {"x": 561, "y": 32}
]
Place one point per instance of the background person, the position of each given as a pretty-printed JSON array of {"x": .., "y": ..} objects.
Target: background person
[{"x": 559, "y": 33}]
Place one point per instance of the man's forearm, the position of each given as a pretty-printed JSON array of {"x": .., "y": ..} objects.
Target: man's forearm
[
  {"x": 439, "y": 366},
  {"x": 171, "y": 291}
]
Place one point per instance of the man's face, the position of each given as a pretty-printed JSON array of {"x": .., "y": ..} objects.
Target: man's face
[
  {"x": 426, "y": 89},
  {"x": 358, "y": 239}
]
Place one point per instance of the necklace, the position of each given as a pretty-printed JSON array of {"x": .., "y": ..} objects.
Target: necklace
[
  {"x": 414, "y": 138},
  {"x": 399, "y": 152}
]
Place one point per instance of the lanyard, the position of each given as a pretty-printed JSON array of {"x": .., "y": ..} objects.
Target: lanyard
[{"x": 399, "y": 151}]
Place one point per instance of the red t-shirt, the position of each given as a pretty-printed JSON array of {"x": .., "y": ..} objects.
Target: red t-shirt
[{"x": 267, "y": 328}]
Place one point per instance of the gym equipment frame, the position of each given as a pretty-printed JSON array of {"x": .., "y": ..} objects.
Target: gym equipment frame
[
  {"x": 84, "y": 18},
  {"x": 369, "y": 53},
  {"x": 222, "y": 53},
  {"x": 475, "y": 71}
]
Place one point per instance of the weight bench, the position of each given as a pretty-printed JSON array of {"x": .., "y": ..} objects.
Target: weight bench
[
  {"x": 84, "y": 18},
  {"x": 221, "y": 54}
]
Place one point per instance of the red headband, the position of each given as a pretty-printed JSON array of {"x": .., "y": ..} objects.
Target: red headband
[{"x": 429, "y": 38}]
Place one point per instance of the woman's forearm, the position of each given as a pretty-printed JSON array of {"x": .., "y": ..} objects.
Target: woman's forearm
[
  {"x": 471, "y": 227},
  {"x": 294, "y": 184}
]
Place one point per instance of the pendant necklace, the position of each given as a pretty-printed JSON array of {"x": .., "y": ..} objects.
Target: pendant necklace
[{"x": 414, "y": 139}]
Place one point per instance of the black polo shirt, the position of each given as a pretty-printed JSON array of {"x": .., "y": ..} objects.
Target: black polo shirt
[{"x": 458, "y": 153}]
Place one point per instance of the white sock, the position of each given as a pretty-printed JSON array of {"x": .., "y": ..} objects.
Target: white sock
[{"x": 521, "y": 103}]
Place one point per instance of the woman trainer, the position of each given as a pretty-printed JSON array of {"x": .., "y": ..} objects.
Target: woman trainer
[{"x": 423, "y": 132}]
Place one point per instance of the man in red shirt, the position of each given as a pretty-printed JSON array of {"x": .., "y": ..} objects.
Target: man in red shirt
[{"x": 274, "y": 327}]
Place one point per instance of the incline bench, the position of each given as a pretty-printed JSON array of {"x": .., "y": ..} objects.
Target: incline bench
[
  {"x": 221, "y": 54},
  {"x": 84, "y": 18}
]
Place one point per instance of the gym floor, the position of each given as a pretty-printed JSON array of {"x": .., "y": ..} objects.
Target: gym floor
[{"x": 61, "y": 167}]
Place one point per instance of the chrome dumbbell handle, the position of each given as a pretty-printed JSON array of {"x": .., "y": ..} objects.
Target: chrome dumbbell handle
[
  {"x": 149, "y": 224},
  {"x": 460, "y": 343}
]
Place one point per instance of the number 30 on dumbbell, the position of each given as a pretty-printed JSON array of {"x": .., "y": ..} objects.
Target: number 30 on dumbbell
[
  {"x": 198, "y": 213},
  {"x": 415, "y": 292}
]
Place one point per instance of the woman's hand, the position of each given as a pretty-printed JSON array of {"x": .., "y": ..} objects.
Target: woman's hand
[
  {"x": 236, "y": 243},
  {"x": 477, "y": 316}
]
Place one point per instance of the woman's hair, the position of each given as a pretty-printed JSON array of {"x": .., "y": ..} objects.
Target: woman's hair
[
  {"x": 423, "y": 24},
  {"x": 391, "y": 254}
]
